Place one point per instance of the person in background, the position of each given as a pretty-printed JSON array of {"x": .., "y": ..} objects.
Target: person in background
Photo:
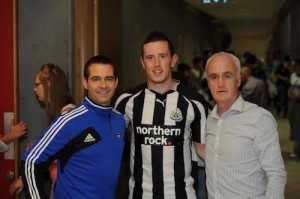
[
  {"x": 294, "y": 108},
  {"x": 197, "y": 72},
  {"x": 52, "y": 90},
  {"x": 242, "y": 154},
  {"x": 253, "y": 89},
  {"x": 283, "y": 83},
  {"x": 192, "y": 79},
  {"x": 166, "y": 119},
  {"x": 256, "y": 68},
  {"x": 15, "y": 132},
  {"x": 183, "y": 74}
]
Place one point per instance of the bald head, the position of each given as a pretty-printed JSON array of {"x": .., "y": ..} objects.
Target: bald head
[{"x": 230, "y": 56}]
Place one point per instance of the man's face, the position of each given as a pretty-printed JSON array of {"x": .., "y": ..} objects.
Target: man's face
[
  {"x": 222, "y": 80},
  {"x": 157, "y": 62},
  {"x": 101, "y": 84}
]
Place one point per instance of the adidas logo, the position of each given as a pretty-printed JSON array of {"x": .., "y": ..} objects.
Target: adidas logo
[{"x": 89, "y": 138}]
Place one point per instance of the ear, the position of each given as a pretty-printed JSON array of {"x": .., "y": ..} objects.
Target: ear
[
  {"x": 208, "y": 84},
  {"x": 239, "y": 81},
  {"x": 84, "y": 82},
  {"x": 142, "y": 62},
  {"x": 174, "y": 60},
  {"x": 117, "y": 81}
]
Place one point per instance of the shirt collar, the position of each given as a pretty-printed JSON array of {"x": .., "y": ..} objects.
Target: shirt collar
[
  {"x": 96, "y": 108},
  {"x": 237, "y": 107}
]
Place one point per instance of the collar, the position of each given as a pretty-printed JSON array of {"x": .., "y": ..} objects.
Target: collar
[
  {"x": 237, "y": 107},
  {"x": 91, "y": 106}
]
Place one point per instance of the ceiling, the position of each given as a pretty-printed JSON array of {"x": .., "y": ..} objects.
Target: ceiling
[{"x": 246, "y": 20}]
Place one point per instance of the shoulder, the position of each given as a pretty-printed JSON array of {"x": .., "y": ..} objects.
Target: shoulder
[
  {"x": 136, "y": 89},
  {"x": 256, "y": 111},
  {"x": 67, "y": 108},
  {"x": 123, "y": 99},
  {"x": 118, "y": 116},
  {"x": 72, "y": 112},
  {"x": 125, "y": 96},
  {"x": 116, "y": 113}
]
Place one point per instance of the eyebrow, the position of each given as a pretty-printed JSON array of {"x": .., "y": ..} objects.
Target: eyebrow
[
  {"x": 99, "y": 77},
  {"x": 228, "y": 72},
  {"x": 224, "y": 73}
]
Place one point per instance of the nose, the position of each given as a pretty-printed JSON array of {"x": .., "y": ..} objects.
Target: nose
[
  {"x": 102, "y": 83},
  {"x": 156, "y": 61},
  {"x": 220, "y": 82}
]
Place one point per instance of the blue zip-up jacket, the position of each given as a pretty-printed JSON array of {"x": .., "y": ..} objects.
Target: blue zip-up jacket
[{"x": 87, "y": 142}]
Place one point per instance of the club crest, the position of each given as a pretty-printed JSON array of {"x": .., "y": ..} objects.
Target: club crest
[{"x": 176, "y": 115}]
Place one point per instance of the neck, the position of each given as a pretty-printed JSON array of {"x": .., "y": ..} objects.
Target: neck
[
  {"x": 163, "y": 87},
  {"x": 225, "y": 106}
]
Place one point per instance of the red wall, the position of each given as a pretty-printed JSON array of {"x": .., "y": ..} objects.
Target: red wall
[{"x": 7, "y": 81}]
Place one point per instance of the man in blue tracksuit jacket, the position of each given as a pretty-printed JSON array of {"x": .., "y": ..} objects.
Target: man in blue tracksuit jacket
[{"x": 87, "y": 143}]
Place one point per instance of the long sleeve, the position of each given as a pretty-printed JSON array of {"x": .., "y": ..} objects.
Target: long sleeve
[
  {"x": 267, "y": 143},
  {"x": 36, "y": 160},
  {"x": 3, "y": 146}
]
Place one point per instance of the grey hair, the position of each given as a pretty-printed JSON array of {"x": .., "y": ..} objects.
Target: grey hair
[{"x": 234, "y": 58}]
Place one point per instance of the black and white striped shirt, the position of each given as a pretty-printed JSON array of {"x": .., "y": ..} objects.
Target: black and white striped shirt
[{"x": 163, "y": 128}]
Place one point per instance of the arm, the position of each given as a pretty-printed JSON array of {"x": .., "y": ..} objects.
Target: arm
[
  {"x": 16, "y": 186},
  {"x": 3, "y": 146},
  {"x": 268, "y": 148},
  {"x": 200, "y": 149},
  {"x": 36, "y": 160},
  {"x": 15, "y": 131},
  {"x": 34, "y": 171},
  {"x": 198, "y": 129}
]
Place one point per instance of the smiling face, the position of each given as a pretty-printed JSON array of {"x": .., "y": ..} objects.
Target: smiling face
[
  {"x": 158, "y": 62},
  {"x": 223, "y": 81},
  {"x": 101, "y": 83}
]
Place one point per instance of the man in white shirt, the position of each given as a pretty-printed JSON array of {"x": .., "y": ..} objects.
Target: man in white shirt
[{"x": 243, "y": 157}]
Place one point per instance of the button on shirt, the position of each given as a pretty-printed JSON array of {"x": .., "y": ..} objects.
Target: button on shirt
[{"x": 243, "y": 156}]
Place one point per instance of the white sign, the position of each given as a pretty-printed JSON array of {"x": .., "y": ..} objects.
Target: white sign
[
  {"x": 10, "y": 154},
  {"x": 216, "y": 1}
]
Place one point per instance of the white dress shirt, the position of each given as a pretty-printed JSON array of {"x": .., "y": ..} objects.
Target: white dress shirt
[{"x": 243, "y": 156}]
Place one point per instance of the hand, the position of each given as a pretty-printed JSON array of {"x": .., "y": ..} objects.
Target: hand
[
  {"x": 14, "y": 132},
  {"x": 16, "y": 187},
  {"x": 17, "y": 130},
  {"x": 29, "y": 144},
  {"x": 67, "y": 108}
]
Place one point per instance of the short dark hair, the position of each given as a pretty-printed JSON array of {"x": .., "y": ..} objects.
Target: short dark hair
[
  {"x": 197, "y": 60},
  {"x": 98, "y": 59},
  {"x": 157, "y": 36},
  {"x": 183, "y": 67},
  {"x": 251, "y": 59}
]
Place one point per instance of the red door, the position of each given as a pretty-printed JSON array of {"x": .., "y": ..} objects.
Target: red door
[{"x": 7, "y": 87}]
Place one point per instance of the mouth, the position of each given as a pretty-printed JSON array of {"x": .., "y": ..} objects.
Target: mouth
[
  {"x": 221, "y": 91},
  {"x": 157, "y": 72},
  {"x": 103, "y": 92}
]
